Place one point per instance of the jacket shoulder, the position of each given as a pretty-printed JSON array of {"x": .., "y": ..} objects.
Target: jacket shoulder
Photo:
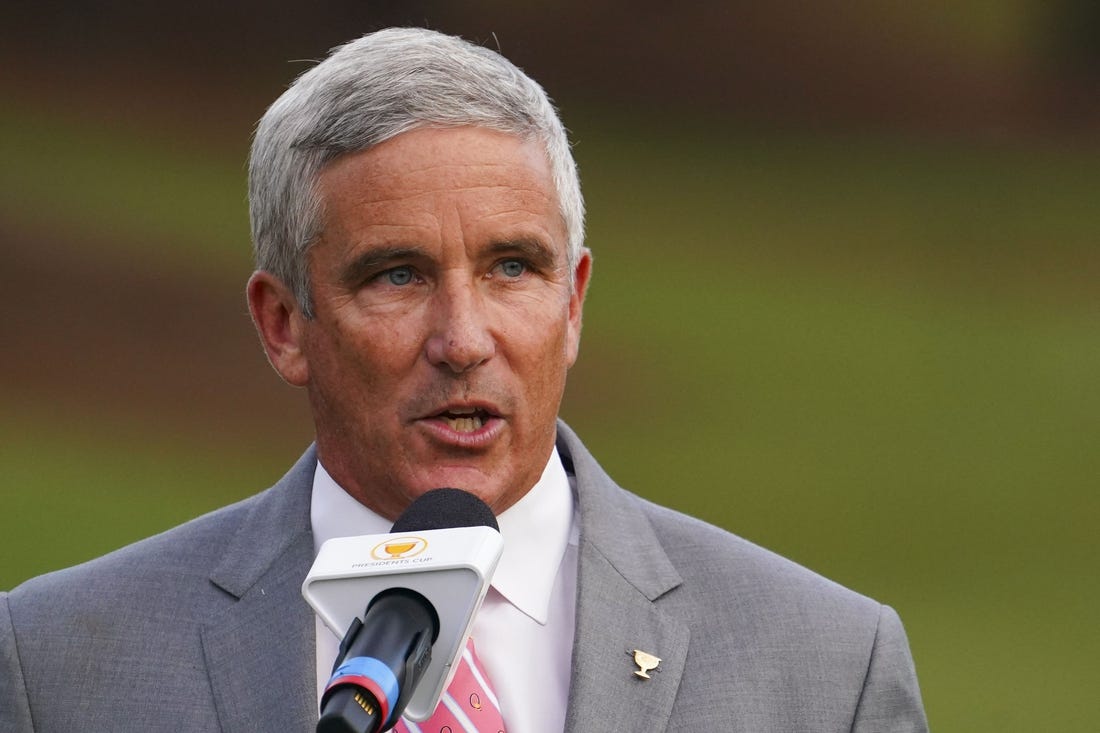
[
  {"x": 162, "y": 570},
  {"x": 703, "y": 552},
  {"x": 172, "y": 572}
]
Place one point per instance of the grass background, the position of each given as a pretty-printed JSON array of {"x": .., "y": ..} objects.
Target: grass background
[{"x": 875, "y": 355}]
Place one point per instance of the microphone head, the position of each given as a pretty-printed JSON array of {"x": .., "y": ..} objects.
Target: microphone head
[{"x": 445, "y": 509}]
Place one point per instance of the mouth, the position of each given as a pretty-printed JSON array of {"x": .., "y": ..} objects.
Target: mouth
[{"x": 465, "y": 419}]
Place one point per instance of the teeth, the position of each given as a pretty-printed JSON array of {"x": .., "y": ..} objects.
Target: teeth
[{"x": 464, "y": 424}]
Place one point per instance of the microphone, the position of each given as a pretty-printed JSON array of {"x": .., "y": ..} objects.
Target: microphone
[{"x": 383, "y": 657}]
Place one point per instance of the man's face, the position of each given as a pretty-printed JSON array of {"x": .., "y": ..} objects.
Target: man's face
[{"x": 445, "y": 320}]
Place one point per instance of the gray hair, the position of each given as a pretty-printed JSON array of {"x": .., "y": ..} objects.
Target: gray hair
[{"x": 371, "y": 90}]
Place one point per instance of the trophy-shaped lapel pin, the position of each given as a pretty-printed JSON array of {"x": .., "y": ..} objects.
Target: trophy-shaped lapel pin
[{"x": 646, "y": 662}]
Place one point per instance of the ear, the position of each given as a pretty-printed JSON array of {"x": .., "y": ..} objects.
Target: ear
[
  {"x": 280, "y": 324},
  {"x": 581, "y": 273}
]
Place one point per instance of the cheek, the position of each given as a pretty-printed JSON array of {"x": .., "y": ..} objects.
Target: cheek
[
  {"x": 548, "y": 352},
  {"x": 378, "y": 346}
]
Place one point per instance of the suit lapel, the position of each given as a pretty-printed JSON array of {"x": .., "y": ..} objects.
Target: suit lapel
[
  {"x": 260, "y": 652},
  {"x": 613, "y": 620},
  {"x": 622, "y": 571}
]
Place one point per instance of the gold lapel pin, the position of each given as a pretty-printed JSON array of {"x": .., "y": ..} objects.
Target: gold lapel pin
[{"x": 646, "y": 663}]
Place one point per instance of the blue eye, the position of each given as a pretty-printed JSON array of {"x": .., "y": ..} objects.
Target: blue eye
[
  {"x": 399, "y": 275},
  {"x": 512, "y": 268}
]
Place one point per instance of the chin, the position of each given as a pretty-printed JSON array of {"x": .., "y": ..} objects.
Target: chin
[{"x": 497, "y": 500}]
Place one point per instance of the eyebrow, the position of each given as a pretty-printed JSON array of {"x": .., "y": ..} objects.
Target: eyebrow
[
  {"x": 532, "y": 248},
  {"x": 377, "y": 258}
]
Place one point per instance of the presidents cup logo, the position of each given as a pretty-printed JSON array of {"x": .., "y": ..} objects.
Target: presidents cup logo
[{"x": 399, "y": 548}]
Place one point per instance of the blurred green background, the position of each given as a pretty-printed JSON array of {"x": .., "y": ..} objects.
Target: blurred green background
[{"x": 845, "y": 299}]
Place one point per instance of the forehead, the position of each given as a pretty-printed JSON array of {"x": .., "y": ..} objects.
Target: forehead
[{"x": 470, "y": 165}]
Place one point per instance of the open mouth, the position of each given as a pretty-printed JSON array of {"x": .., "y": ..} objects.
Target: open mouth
[{"x": 465, "y": 420}]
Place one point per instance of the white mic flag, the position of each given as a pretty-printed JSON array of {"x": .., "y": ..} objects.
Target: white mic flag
[{"x": 450, "y": 567}]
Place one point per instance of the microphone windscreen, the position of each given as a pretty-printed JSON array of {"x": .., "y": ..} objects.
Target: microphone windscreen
[{"x": 445, "y": 509}]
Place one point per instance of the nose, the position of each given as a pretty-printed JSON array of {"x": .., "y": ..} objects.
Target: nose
[{"x": 460, "y": 338}]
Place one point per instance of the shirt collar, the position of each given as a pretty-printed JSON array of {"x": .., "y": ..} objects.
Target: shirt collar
[{"x": 536, "y": 530}]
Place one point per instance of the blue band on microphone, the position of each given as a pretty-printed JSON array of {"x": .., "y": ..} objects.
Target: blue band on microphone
[{"x": 375, "y": 671}]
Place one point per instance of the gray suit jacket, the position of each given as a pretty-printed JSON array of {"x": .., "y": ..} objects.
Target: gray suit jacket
[{"x": 203, "y": 628}]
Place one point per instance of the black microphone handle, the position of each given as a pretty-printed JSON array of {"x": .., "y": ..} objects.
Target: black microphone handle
[{"x": 393, "y": 642}]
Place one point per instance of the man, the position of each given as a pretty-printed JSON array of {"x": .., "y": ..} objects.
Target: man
[{"x": 418, "y": 227}]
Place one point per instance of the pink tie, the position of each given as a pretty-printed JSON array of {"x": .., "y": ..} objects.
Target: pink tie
[{"x": 468, "y": 705}]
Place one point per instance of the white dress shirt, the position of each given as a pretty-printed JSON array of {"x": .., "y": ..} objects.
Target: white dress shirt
[{"x": 524, "y": 630}]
